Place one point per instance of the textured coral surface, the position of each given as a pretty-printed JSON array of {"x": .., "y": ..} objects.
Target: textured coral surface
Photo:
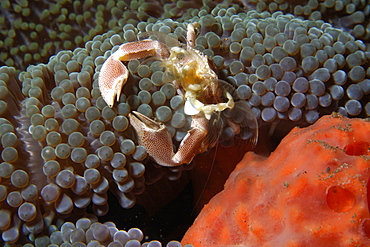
[{"x": 311, "y": 191}]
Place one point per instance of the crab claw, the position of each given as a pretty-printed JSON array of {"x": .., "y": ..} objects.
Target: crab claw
[
  {"x": 157, "y": 140},
  {"x": 155, "y": 137},
  {"x": 113, "y": 74}
]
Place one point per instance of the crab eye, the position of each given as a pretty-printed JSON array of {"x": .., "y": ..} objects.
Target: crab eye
[{"x": 180, "y": 56}]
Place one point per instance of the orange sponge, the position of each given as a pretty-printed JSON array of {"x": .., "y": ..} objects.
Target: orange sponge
[{"x": 313, "y": 190}]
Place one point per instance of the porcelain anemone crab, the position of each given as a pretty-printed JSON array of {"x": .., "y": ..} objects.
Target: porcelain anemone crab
[{"x": 194, "y": 80}]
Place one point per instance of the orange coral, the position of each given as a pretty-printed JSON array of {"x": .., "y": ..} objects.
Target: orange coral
[{"x": 313, "y": 190}]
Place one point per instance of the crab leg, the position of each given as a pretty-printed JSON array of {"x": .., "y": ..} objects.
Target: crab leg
[
  {"x": 190, "y": 34},
  {"x": 157, "y": 140},
  {"x": 113, "y": 74}
]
